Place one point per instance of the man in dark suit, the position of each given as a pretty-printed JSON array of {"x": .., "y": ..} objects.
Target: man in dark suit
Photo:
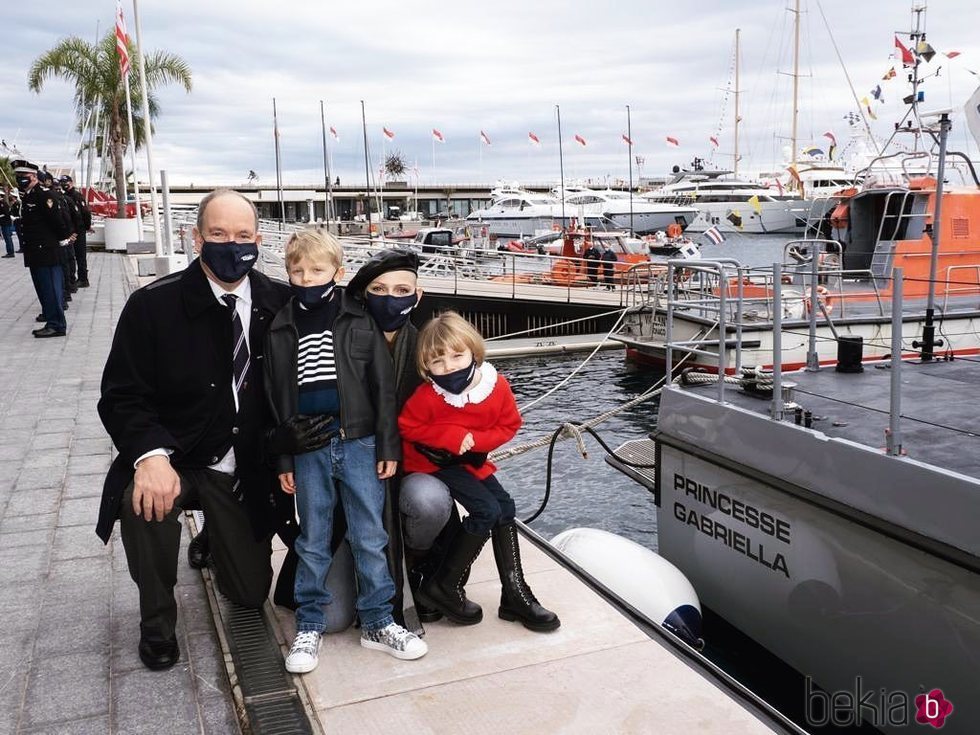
[
  {"x": 182, "y": 399},
  {"x": 44, "y": 233}
]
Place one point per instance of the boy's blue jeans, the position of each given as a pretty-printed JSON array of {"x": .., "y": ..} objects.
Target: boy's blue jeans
[{"x": 344, "y": 470}]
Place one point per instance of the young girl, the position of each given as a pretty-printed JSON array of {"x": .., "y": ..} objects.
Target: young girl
[{"x": 463, "y": 411}]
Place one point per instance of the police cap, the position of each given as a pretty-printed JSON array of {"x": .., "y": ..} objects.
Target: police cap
[{"x": 21, "y": 166}]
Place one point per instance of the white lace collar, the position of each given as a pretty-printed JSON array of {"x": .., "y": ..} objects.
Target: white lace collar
[{"x": 482, "y": 391}]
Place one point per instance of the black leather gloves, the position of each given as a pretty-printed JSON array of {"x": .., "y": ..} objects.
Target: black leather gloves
[
  {"x": 445, "y": 458},
  {"x": 300, "y": 434}
]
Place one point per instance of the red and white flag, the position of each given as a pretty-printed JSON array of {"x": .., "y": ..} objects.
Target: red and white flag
[
  {"x": 333, "y": 133},
  {"x": 580, "y": 139},
  {"x": 122, "y": 41},
  {"x": 484, "y": 138},
  {"x": 437, "y": 136},
  {"x": 907, "y": 58},
  {"x": 672, "y": 141},
  {"x": 951, "y": 54},
  {"x": 831, "y": 137},
  {"x": 627, "y": 140},
  {"x": 533, "y": 139},
  {"x": 388, "y": 134},
  {"x": 714, "y": 140}
]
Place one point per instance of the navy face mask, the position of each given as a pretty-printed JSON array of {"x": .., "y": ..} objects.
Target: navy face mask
[
  {"x": 230, "y": 262},
  {"x": 456, "y": 381},
  {"x": 390, "y": 312},
  {"x": 313, "y": 296},
  {"x": 23, "y": 182}
]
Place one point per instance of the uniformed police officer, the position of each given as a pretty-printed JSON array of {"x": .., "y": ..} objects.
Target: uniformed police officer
[
  {"x": 66, "y": 210},
  {"x": 73, "y": 195},
  {"x": 45, "y": 232}
]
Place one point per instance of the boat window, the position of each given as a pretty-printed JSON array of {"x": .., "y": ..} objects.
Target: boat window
[{"x": 510, "y": 203}]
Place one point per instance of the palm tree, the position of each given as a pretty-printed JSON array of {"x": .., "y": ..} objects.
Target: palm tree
[{"x": 94, "y": 70}]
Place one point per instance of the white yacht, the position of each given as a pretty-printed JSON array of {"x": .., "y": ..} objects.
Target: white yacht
[
  {"x": 731, "y": 204},
  {"x": 611, "y": 209},
  {"x": 515, "y": 212}
]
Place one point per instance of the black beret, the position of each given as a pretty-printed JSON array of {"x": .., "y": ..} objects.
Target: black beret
[
  {"x": 379, "y": 263},
  {"x": 21, "y": 166}
]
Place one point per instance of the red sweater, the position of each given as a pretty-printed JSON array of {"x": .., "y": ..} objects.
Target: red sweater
[{"x": 429, "y": 419}]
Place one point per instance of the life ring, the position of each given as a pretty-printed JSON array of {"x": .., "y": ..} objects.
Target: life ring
[
  {"x": 674, "y": 230},
  {"x": 823, "y": 296}
]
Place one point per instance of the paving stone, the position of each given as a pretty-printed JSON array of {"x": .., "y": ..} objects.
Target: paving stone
[
  {"x": 79, "y": 512},
  {"x": 21, "y": 538},
  {"x": 94, "y": 570},
  {"x": 81, "y": 681},
  {"x": 181, "y": 718},
  {"x": 32, "y": 479},
  {"x": 207, "y": 665},
  {"x": 83, "y": 447},
  {"x": 89, "y": 465},
  {"x": 12, "y": 451},
  {"x": 91, "y": 726},
  {"x": 84, "y": 486},
  {"x": 89, "y": 431},
  {"x": 218, "y": 716},
  {"x": 54, "y": 426},
  {"x": 54, "y": 458},
  {"x": 11, "y": 696},
  {"x": 29, "y": 522},
  {"x": 73, "y": 542},
  {"x": 52, "y": 441},
  {"x": 33, "y": 502},
  {"x": 74, "y": 629},
  {"x": 24, "y": 564},
  {"x": 18, "y": 421}
]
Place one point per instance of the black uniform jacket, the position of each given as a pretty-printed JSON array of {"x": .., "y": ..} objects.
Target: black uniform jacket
[
  {"x": 365, "y": 381},
  {"x": 167, "y": 383},
  {"x": 43, "y": 225}
]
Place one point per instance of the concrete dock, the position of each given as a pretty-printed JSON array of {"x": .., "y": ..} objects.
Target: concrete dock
[{"x": 69, "y": 615}]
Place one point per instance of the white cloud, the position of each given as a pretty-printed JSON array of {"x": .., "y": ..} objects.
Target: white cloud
[{"x": 500, "y": 67}]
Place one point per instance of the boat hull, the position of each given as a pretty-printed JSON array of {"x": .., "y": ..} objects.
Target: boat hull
[{"x": 843, "y": 604}]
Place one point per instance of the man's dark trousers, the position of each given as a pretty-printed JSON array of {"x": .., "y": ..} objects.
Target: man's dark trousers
[
  {"x": 243, "y": 565},
  {"x": 49, "y": 280},
  {"x": 81, "y": 259}
]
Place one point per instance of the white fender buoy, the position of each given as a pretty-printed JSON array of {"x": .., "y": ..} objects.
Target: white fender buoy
[{"x": 641, "y": 577}]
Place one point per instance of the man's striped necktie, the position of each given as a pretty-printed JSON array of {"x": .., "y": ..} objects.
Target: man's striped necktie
[{"x": 240, "y": 351}]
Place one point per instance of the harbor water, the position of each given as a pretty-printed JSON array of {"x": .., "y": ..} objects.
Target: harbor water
[{"x": 589, "y": 492}]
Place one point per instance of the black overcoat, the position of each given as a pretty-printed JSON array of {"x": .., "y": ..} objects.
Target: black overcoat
[{"x": 167, "y": 383}]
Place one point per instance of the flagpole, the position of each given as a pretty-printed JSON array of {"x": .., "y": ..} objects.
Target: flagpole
[
  {"x": 148, "y": 133},
  {"x": 275, "y": 133},
  {"x": 479, "y": 142},
  {"x": 629, "y": 148},
  {"x": 561, "y": 168},
  {"x": 132, "y": 140},
  {"x": 326, "y": 169},
  {"x": 367, "y": 169}
]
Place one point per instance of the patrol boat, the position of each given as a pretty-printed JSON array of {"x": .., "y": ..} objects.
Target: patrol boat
[{"x": 832, "y": 517}]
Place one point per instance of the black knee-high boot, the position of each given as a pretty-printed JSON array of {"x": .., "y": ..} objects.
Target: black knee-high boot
[
  {"x": 421, "y": 566},
  {"x": 443, "y": 591},
  {"x": 517, "y": 602}
]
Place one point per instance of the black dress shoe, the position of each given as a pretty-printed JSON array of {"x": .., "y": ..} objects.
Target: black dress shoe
[
  {"x": 199, "y": 550},
  {"x": 159, "y": 655},
  {"x": 8, "y": 256},
  {"x": 83, "y": 283},
  {"x": 68, "y": 295},
  {"x": 48, "y": 332},
  {"x": 40, "y": 318}
]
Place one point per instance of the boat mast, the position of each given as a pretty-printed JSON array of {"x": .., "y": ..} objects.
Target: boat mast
[
  {"x": 561, "y": 168},
  {"x": 738, "y": 118},
  {"x": 796, "y": 80},
  {"x": 275, "y": 130},
  {"x": 326, "y": 169},
  {"x": 367, "y": 168},
  {"x": 629, "y": 153}
]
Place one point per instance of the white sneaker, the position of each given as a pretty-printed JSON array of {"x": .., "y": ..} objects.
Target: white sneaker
[
  {"x": 305, "y": 652},
  {"x": 396, "y": 641}
]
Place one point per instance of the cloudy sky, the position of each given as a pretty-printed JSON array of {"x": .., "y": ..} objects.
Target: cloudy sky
[{"x": 499, "y": 67}]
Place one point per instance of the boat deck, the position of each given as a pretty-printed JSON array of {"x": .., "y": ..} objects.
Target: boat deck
[
  {"x": 940, "y": 408},
  {"x": 597, "y": 673}
]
